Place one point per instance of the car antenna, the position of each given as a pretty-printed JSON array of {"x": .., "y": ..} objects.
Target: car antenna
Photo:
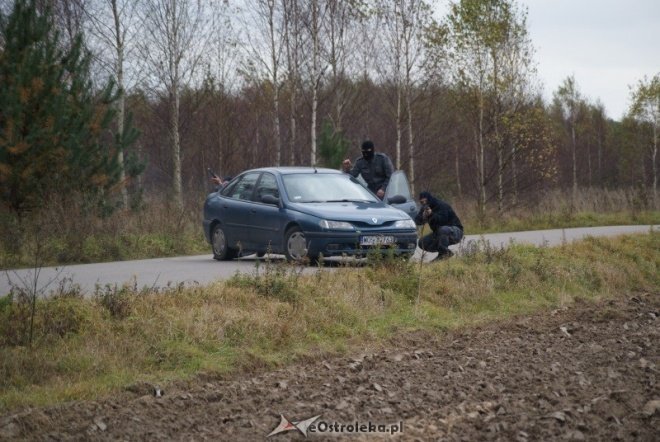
[{"x": 314, "y": 166}]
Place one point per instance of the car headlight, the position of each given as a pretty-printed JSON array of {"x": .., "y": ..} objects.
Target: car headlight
[
  {"x": 405, "y": 224},
  {"x": 336, "y": 225}
]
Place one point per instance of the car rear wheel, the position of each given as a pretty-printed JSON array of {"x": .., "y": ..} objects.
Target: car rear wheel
[
  {"x": 296, "y": 248},
  {"x": 221, "y": 251}
]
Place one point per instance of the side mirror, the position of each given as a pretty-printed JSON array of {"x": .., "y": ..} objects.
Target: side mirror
[
  {"x": 270, "y": 199},
  {"x": 396, "y": 199}
]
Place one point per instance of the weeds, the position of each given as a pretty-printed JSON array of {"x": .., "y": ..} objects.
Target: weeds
[
  {"x": 272, "y": 280},
  {"x": 117, "y": 301},
  {"x": 124, "y": 335},
  {"x": 73, "y": 234}
]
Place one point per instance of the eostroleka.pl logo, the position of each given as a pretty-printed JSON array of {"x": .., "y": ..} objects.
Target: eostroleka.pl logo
[
  {"x": 286, "y": 425},
  {"x": 312, "y": 426}
]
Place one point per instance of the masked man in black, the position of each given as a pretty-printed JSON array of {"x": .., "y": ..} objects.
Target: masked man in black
[
  {"x": 375, "y": 167},
  {"x": 445, "y": 225}
]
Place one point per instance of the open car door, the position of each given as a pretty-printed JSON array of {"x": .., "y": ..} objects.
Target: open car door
[{"x": 398, "y": 194}]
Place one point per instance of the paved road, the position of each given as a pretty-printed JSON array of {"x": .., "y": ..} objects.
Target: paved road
[{"x": 202, "y": 269}]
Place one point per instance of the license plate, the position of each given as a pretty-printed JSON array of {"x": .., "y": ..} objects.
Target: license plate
[{"x": 376, "y": 240}]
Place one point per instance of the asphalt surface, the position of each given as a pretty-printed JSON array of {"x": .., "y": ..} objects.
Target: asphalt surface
[{"x": 203, "y": 269}]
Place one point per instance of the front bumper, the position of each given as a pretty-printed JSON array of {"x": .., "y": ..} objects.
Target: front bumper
[{"x": 348, "y": 243}]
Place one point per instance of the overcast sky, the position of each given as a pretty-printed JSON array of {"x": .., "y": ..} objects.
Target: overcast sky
[{"x": 608, "y": 45}]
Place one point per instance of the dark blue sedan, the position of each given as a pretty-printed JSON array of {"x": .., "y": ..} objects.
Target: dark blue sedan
[{"x": 303, "y": 213}]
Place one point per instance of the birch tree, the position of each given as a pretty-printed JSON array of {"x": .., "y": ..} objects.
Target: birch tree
[
  {"x": 173, "y": 44},
  {"x": 112, "y": 29},
  {"x": 316, "y": 67},
  {"x": 266, "y": 46},
  {"x": 568, "y": 99},
  {"x": 645, "y": 109},
  {"x": 413, "y": 15},
  {"x": 490, "y": 57},
  {"x": 293, "y": 44},
  {"x": 337, "y": 29}
]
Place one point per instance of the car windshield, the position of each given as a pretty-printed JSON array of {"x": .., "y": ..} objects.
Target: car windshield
[{"x": 325, "y": 187}]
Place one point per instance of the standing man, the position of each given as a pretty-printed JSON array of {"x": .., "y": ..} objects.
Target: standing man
[
  {"x": 375, "y": 168},
  {"x": 445, "y": 225}
]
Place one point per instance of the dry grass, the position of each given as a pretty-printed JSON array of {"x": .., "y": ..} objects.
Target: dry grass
[
  {"x": 71, "y": 233},
  {"x": 86, "y": 348},
  {"x": 558, "y": 209}
]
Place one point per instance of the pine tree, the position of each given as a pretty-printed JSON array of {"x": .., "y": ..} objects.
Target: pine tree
[
  {"x": 332, "y": 147},
  {"x": 54, "y": 125}
]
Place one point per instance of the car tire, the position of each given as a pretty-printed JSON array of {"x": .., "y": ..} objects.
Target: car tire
[
  {"x": 221, "y": 251},
  {"x": 296, "y": 247}
]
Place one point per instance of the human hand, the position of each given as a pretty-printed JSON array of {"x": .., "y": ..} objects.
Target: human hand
[
  {"x": 380, "y": 194},
  {"x": 216, "y": 180}
]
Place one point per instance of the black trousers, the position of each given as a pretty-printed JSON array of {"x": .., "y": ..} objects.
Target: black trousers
[{"x": 440, "y": 240}]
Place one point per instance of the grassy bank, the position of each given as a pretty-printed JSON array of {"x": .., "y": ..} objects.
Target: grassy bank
[
  {"x": 70, "y": 235},
  {"x": 542, "y": 221},
  {"x": 89, "y": 348}
]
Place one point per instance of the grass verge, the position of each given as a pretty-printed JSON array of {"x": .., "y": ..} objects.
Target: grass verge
[
  {"x": 86, "y": 348},
  {"x": 542, "y": 221},
  {"x": 73, "y": 233}
]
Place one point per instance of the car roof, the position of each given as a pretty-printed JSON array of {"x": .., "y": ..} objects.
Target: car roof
[{"x": 289, "y": 170}]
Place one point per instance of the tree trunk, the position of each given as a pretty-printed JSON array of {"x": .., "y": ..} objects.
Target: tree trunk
[
  {"x": 574, "y": 154},
  {"x": 458, "y": 170},
  {"x": 292, "y": 31},
  {"x": 313, "y": 128},
  {"x": 600, "y": 156},
  {"x": 654, "y": 166},
  {"x": 590, "y": 174},
  {"x": 514, "y": 172},
  {"x": 276, "y": 84},
  {"x": 315, "y": 77},
  {"x": 176, "y": 146},
  {"x": 399, "y": 124},
  {"x": 411, "y": 144},
  {"x": 498, "y": 139},
  {"x": 481, "y": 160},
  {"x": 500, "y": 179},
  {"x": 121, "y": 103},
  {"x": 293, "y": 124}
]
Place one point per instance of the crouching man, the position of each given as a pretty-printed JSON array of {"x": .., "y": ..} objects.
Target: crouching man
[{"x": 445, "y": 225}]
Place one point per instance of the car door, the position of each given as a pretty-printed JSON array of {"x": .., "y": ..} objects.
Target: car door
[
  {"x": 236, "y": 208},
  {"x": 398, "y": 186},
  {"x": 267, "y": 220}
]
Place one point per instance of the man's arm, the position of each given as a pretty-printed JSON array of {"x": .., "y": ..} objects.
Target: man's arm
[{"x": 349, "y": 168}]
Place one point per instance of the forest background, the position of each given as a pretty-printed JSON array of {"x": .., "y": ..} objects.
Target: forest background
[{"x": 113, "y": 110}]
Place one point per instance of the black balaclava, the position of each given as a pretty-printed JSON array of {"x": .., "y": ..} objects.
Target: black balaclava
[
  {"x": 368, "y": 150},
  {"x": 430, "y": 199}
]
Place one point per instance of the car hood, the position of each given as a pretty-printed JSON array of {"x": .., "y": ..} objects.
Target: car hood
[{"x": 351, "y": 211}]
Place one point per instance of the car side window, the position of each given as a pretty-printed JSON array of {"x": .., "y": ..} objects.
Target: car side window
[
  {"x": 267, "y": 186},
  {"x": 244, "y": 187}
]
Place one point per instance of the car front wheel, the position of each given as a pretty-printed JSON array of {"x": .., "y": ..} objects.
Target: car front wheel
[
  {"x": 221, "y": 251},
  {"x": 296, "y": 248}
]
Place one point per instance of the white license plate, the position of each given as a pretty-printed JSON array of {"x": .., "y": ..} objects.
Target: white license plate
[{"x": 376, "y": 240}]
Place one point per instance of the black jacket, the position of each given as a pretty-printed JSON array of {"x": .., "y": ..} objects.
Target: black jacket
[
  {"x": 442, "y": 214},
  {"x": 376, "y": 172}
]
